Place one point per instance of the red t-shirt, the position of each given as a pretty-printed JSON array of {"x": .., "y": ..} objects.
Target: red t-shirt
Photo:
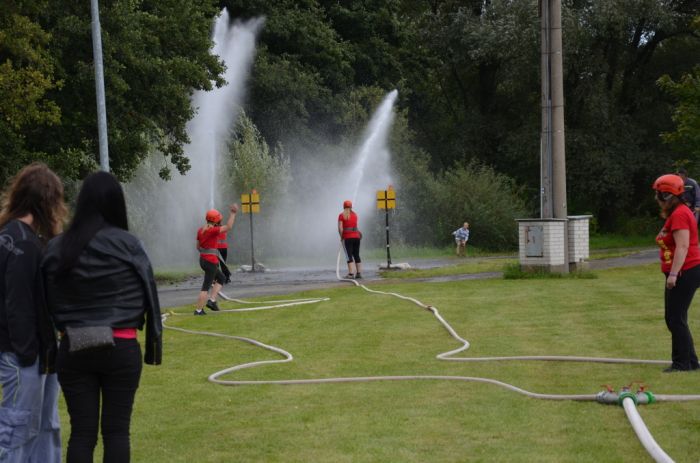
[
  {"x": 207, "y": 239},
  {"x": 680, "y": 219},
  {"x": 221, "y": 241},
  {"x": 350, "y": 222}
]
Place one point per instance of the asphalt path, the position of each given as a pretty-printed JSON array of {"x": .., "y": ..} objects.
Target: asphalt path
[{"x": 287, "y": 280}]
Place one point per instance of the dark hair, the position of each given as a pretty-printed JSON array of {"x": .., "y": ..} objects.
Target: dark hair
[
  {"x": 35, "y": 190},
  {"x": 100, "y": 203},
  {"x": 682, "y": 171}
]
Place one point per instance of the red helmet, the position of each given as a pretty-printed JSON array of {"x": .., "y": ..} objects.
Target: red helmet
[
  {"x": 669, "y": 183},
  {"x": 347, "y": 203},
  {"x": 213, "y": 216}
]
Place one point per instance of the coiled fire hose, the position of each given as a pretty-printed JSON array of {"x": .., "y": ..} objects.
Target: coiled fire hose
[{"x": 625, "y": 398}]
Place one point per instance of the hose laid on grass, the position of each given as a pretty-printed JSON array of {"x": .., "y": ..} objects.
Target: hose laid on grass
[
  {"x": 645, "y": 437},
  {"x": 636, "y": 421}
]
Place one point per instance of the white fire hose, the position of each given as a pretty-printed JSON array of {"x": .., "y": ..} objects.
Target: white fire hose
[{"x": 626, "y": 399}]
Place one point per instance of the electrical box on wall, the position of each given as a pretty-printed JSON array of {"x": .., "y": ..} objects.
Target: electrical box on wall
[{"x": 535, "y": 244}]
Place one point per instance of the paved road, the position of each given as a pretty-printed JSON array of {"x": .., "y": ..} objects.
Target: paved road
[{"x": 276, "y": 281}]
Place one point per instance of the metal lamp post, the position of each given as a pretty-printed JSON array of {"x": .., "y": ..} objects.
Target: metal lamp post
[{"x": 99, "y": 85}]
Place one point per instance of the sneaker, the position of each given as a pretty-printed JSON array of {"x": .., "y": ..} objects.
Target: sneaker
[
  {"x": 212, "y": 305},
  {"x": 200, "y": 312},
  {"x": 349, "y": 276},
  {"x": 358, "y": 276}
]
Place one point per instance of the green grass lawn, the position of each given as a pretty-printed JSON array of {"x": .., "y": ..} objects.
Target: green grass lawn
[
  {"x": 613, "y": 240},
  {"x": 180, "y": 417},
  {"x": 460, "y": 267}
]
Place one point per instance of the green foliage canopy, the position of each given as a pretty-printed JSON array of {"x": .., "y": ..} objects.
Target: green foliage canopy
[
  {"x": 685, "y": 138},
  {"x": 467, "y": 73},
  {"x": 156, "y": 53},
  {"x": 26, "y": 76}
]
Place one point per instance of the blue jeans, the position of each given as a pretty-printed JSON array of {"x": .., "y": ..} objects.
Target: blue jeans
[{"x": 29, "y": 424}]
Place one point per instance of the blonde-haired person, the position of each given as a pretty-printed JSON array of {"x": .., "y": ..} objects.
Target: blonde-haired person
[
  {"x": 461, "y": 237},
  {"x": 680, "y": 263},
  {"x": 33, "y": 211},
  {"x": 350, "y": 236}
]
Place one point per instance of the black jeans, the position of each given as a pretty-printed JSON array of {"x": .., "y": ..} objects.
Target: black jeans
[
  {"x": 110, "y": 375},
  {"x": 352, "y": 250},
  {"x": 677, "y": 302}
]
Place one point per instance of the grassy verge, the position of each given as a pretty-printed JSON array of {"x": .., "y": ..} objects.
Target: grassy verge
[
  {"x": 612, "y": 241},
  {"x": 474, "y": 265},
  {"x": 180, "y": 417},
  {"x": 597, "y": 254},
  {"x": 169, "y": 277},
  {"x": 432, "y": 252}
]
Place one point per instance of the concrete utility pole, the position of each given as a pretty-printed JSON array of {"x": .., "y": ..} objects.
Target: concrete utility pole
[
  {"x": 99, "y": 85},
  {"x": 553, "y": 156}
]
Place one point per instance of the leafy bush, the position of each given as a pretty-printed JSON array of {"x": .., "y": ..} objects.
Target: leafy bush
[{"x": 489, "y": 201}]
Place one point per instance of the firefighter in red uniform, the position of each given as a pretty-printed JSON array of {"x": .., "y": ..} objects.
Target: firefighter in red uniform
[
  {"x": 350, "y": 236},
  {"x": 222, "y": 246},
  {"x": 207, "y": 245}
]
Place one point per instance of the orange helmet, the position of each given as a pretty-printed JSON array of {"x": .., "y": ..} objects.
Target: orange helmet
[
  {"x": 347, "y": 203},
  {"x": 213, "y": 216},
  {"x": 669, "y": 183}
]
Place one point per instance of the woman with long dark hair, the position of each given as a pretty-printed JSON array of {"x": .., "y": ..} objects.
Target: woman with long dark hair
[
  {"x": 100, "y": 290},
  {"x": 680, "y": 263},
  {"x": 32, "y": 212}
]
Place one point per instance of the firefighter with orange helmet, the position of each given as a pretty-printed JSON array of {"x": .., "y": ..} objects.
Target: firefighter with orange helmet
[
  {"x": 350, "y": 236},
  {"x": 207, "y": 245},
  {"x": 680, "y": 263},
  {"x": 222, "y": 246}
]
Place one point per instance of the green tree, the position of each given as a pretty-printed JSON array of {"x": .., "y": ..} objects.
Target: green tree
[
  {"x": 301, "y": 68},
  {"x": 477, "y": 95},
  {"x": 254, "y": 166},
  {"x": 313, "y": 59},
  {"x": 614, "y": 53},
  {"x": 156, "y": 53},
  {"x": 26, "y": 75},
  {"x": 686, "y": 137}
]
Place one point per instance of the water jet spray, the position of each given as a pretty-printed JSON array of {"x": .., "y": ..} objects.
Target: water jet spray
[{"x": 153, "y": 201}]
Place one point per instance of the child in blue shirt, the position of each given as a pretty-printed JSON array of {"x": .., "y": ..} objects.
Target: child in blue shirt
[{"x": 461, "y": 237}]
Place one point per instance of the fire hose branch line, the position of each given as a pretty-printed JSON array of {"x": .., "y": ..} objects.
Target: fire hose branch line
[
  {"x": 643, "y": 434},
  {"x": 628, "y": 401},
  {"x": 465, "y": 344}
]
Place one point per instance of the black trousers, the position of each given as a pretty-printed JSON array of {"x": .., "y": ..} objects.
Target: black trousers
[
  {"x": 677, "y": 302},
  {"x": 212, "y": 273},
  {"x": 110, "y": 376},
  {"x": 352, "y": 250}
]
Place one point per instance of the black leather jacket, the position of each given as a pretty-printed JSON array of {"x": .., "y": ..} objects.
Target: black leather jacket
[
  {"x": 25, "y": 327},
  {"x": 112, "y": 284}
]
